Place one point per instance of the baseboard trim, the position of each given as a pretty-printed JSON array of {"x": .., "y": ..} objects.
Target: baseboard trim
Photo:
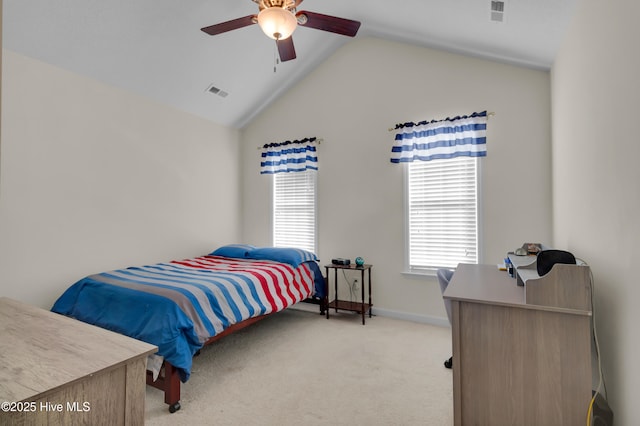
[{"x": 407, "y": 316}]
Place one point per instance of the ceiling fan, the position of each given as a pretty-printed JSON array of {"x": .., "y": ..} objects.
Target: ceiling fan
[{"x": 279, "y": 18}]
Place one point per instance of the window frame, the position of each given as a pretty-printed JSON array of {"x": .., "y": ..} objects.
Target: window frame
[{"x": 431, "y": 271}]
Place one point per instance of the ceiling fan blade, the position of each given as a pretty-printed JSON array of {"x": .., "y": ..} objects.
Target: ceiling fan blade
[
  {"x": 234, "y": 24},
  {"x": 346, "y": 27},
  {"x": 285, "y": 49}
]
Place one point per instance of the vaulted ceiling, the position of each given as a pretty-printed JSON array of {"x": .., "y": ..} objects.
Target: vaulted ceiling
[{"x": 155, "y": 48}]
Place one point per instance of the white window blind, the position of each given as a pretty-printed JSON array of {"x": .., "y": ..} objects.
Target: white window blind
[
  {"x": 442, "y": 210},
  {"x": 294, "y": 210}
]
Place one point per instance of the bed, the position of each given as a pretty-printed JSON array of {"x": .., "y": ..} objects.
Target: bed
[{"x": 182, "y": 305}]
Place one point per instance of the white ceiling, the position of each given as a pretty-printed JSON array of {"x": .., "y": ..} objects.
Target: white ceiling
[{"x": 155, "y": 47}]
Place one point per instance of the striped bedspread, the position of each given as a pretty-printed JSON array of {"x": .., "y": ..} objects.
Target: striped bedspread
[{"x": 179, "y": 305}]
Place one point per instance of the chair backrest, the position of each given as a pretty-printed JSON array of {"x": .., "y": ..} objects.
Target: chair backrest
[{"x": 444, "y": 276}]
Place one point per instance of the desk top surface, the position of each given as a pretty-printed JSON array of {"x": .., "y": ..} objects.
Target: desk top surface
[
  {"x": 489, "y": 285},
  {"x": 484, "y": 283},
  {"x": 41, "y": 350}
]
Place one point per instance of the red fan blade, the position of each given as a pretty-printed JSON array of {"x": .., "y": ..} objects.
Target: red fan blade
[
  {"x": 332, "y": 24},
  {"x": 298, "y": 3},
  {"x": 285, "y": 49},
  {"x": 234, "y": 24}
]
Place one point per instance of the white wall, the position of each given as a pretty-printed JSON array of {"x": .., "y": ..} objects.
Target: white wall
[
  {"x": 595, "y": 168},
  {"x": 350, "y": 101},
  {"x": 94, "y": 178}
]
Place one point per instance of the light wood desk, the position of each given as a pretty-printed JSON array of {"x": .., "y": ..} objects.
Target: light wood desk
[
  {"x": 55, "y": 370},
  {"x": 519, "y": 363}
]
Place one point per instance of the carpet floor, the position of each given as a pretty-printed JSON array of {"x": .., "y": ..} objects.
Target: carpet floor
[{"x": 298, "y": 368}]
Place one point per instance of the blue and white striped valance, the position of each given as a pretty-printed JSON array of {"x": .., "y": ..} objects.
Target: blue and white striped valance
[
  {"x": 289, "y": 156},
  {"x": 448, "y": 138}
]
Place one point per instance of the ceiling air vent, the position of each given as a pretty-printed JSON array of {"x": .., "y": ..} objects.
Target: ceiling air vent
[
  {"x": 497, "y": 11},
  {"x": 217, "y": 91}
]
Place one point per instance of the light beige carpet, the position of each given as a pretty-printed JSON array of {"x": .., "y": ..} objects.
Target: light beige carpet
[{"x": 298, "y": 368}]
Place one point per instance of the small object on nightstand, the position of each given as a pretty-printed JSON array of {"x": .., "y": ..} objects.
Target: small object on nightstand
[{"x": 359, "y": 261}]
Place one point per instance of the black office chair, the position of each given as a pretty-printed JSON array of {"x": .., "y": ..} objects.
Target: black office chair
[{"x": 444, "y": 276}]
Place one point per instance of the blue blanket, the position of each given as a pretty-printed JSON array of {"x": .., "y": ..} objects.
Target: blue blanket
[{"x": 179, "y": 305}]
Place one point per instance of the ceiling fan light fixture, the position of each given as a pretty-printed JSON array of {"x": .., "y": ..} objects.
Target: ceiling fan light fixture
[{"x": 277, "y": 23}]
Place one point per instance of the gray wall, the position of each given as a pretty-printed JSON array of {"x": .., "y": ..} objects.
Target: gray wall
[
  {"x": 94, "y": 178},
  {"x": 350, "y": 101},
  {"x": 595, "y": 178}
]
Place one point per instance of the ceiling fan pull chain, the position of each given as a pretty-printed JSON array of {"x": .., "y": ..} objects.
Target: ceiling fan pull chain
[{"x": 276, "y": 60}]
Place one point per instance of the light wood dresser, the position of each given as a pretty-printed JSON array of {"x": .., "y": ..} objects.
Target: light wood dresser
[
  {"x": 521, "y": 354},
  {"x": 55, "y": 370}
]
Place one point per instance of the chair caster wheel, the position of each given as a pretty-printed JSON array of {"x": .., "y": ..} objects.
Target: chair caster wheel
[
  {"x": 174, "y": 407},
  {"x": 449, "y": 363}
]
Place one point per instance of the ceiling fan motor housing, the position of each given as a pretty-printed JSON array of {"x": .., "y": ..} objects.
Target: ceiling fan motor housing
[{"x": 284, "y": 4}]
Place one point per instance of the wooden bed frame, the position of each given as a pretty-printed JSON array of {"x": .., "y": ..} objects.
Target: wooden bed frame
[{"x": 168, "y": 380}]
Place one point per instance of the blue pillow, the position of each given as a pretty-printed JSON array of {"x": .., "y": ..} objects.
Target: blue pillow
[
  {"x": 291, "y": 256},
  {"x": 238, "y": 251}
]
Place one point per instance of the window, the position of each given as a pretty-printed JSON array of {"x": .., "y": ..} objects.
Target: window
[
  {"x": 442, "y": 213},
  {"x": 294, "y": 210}
]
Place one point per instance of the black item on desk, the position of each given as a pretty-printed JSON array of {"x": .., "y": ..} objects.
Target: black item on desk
[
  {"x": 547, "y": 258},
  {"x": 340, "y": 261}
]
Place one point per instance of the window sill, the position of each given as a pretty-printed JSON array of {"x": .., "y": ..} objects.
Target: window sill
[{"x": 416, "y": 274}]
